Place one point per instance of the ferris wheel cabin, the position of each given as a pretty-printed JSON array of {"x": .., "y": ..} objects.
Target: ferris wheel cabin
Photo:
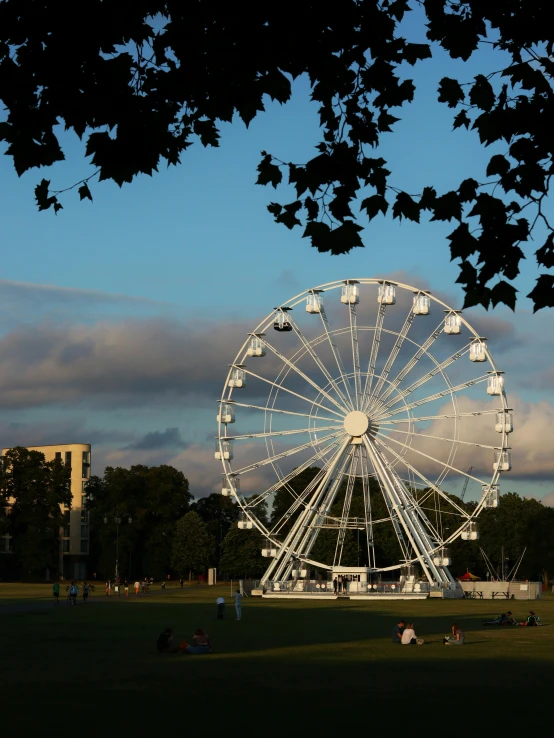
[
  {"x": 226, "y": 413},
  {"x": 471, "y": 532},
  {"x": 504, "y": 421},
  {"x": 441, "y": 557},
  {"x": 478, "y": 349},
  {"x": 224, "y": 450},
  {"x": 452, "y": 323},
  {"x": 244, "y": 522},
  {"x": 502, "y": 460},
  {"x": 230, "y": 486},
  {"x": 282, "y": 322},
  {"x": 495, "y": 383},
  {"x": 238, "y": 377},
  {"x": 491, "y": 495},
  {"x": 422, "y": 303},
  {"x": 386, "y": 294},
  {"x": 350, "y": 292},
  {"x": 256, "y": 345},
  {"x": 313, "y": 302}
]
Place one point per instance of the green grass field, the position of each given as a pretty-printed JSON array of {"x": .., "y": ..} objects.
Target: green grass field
[{"x": 288, "y": 668}]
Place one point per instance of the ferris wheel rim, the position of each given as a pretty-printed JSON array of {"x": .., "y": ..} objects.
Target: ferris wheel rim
[{"x": 227, "y": 396}]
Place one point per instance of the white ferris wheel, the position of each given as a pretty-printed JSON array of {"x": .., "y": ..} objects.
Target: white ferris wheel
[{"x": 365, "y": 409}]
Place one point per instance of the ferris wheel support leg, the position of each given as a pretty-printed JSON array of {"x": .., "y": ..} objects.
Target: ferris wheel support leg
[
  {"x": 419, "y": 540},
  {"x": 287, "y": 551}
]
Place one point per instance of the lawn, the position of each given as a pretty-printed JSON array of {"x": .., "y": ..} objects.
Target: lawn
[{"x": 288, "y": 668}]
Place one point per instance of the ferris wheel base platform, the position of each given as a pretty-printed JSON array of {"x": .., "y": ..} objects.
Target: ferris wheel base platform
[{"x": 327, "y": 597}]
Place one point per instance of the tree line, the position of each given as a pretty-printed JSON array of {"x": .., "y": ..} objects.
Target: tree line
[{"x": 148, "y": 517}]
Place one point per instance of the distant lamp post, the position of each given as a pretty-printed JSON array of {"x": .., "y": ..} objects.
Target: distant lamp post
[{"x": 117, "y": 518}]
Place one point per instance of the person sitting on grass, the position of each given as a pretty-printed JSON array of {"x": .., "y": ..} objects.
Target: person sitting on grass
[
  {"x": 165, "y": 644},
  {"x": 532, "y": 620},
  {"x": 409, "y": 637},
  {"x": 200, "y": 643},
  {"x": 505, "y": 619},
  {"x": 397, "y": 631},
  {"x": 456, "y": 639}
]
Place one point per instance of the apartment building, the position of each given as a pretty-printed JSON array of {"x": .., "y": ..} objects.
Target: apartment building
[{"x": 74, "y": 541}]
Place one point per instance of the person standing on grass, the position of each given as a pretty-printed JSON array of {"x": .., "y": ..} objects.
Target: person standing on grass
[
  {"x": 335, "y": 585},
  {"x": 56, "y": 592},
  {"x": 126, "y": 587},
  {"x": 73, "y": 592},
  {"x": 397, "y": 631},
  {"x": 238, "y": 603},
  {"x": 85, "y": 593},
  {"x": 137, "y": 587},
  {"x": 220, "y": 608},
  {"x": 182, "y": 582}
]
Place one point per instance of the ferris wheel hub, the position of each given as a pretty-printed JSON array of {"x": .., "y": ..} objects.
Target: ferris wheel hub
[{"x": 356, "y": 423}]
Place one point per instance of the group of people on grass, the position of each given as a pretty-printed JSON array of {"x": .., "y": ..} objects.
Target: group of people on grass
[
  {"x": 72, "y": 592},
  {"x": 506, "y": 618},
  {"x": 404, "y": 633},
  {"x": 200, "y": 643},
  {"x": 220, "y": 605}
]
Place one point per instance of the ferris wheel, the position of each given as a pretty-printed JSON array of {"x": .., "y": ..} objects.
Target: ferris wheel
[{"x": 346, "y": 426}]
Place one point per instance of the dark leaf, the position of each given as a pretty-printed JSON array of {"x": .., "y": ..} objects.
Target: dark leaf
[
  {"x": 481, "y": 94},
  {"x": 57, "y": 206},
  {"x": 477, "y": 295},
  {"x": 462, "y": 243},
  {"x": 274, "y": 208},
  {"x": 374, "y": 205},
  {"x": 268, "y": 172},
  {"x": 405, "y": 207},
  {"x": 498, "y": 165},
  {"x": 276, "y": 85},
  {"x": 339, "y": 206},
  {"x": 504, "y": 293},
  {"x": 207, "y": 132},
  {"x": 345, "y": 237},
  {"x": 462, "y": 119},
  {"x": 468, "y": 190},
  {"x": 416, "y": 52},
  {"x": 288, "y": 215},
  {"x": 41, "y": 195},
  {"x": 319, "y": 233},
  {"x": 85, "y": 192},
  {"x": 312, "y": 207},
  {"x": 447, "y": 206},
  {"x": 543, "y": 292},
  {"x": 428, "y": 198},
  {"x": 545, "y": 255},
  {"x": 385, "y": 121},
  {"x": 450, "y": 92}
]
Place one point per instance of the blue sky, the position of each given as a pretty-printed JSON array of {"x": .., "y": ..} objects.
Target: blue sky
[{"x": 186, "y": 260}]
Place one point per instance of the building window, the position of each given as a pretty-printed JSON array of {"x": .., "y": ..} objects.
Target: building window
[
  {"x": 66, "y": 531},
  {"x": 84, "y": 487},
  {"x": 84, "y": 531},
  {"x": 84, "y": 547},
  {"x": 65, "y": 547},
  {"x": 86, "y": 464},
  {"x": 84, "y": 516},
  {"x": 58, "y": 456},
  {"x": 68, "y": 458}
]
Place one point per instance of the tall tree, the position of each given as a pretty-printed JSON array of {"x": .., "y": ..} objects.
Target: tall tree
[
  {"x": 34, "y": 490},
  {"x": 193, "y": 546},
  {"x": 148, "y": 79},
  {"x": 241, "y": 556},
  {"x": 155, "y": 498}
]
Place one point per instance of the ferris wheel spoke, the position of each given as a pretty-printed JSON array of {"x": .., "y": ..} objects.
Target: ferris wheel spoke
[
  {"x": 415, "y": 524},
  {"x": 397, "y": 527},
  {"x": 336, "y": 355},
  {"x": 428, "y": 483},
  {"x": 431, "y": 458},
  {"x": 271, "y": 434},
  {"x": 438, "y": 417},
  {"x": 291, "y": 392},
  {"x": 305, "y": 377},
  {"x": 355, "y": 354},
  {"x": 408, "y": 367},
  {"x": 392, "y": 356},
  {"x": 429, "y": 375},
  {"x": 368, "y": 514},
  {"x": 343, "y": 524},
  {"x": 270, "y": 410},
  {"x": 299, "y": 499},
  {"x": 285, "y": 454},
  {"x": 439, "y": 438},
  {"x": 283, "y": 481},
  {"x": 375, "y": 343},
  {"x": 309, "y": 348},
  {"x": 431, "y": 398}
]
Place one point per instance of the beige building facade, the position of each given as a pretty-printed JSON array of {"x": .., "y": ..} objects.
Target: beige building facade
[{"x": 75, "y": 535}]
